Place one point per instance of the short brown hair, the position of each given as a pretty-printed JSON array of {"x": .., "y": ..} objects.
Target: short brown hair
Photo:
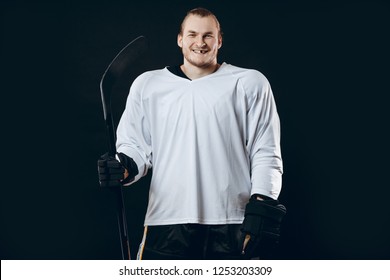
[{"x": 201, "y": 12}]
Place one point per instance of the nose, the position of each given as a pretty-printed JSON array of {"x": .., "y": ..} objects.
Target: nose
[{"x": 200, "y": 42}]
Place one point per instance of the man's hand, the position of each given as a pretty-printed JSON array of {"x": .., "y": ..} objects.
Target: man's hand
[
  {"x": 261, "y": 225},
  {"x": 110, "y": 170},
  {"x": 116, "y": 171},
  {"x": 248, "y": 236}
]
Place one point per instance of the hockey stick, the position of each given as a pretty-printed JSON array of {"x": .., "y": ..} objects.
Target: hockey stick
[{"x": 119, "y": 65}]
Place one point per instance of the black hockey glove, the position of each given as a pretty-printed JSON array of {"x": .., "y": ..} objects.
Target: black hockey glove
[
  {"x": 262, "y": 226},
  {"x": 111, "y": 171}
]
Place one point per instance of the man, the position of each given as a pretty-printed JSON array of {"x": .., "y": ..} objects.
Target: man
[{"x": 211, "y": 133}]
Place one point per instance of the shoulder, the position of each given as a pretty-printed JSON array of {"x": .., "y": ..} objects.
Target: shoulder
[
  {"x": 146, "y": 76},
  {"x": 150, "y": 79},
  {"x": 250, "y": 79}
]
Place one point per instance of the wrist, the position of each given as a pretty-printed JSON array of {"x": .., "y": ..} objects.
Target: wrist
[{"x": 126, "y": 174}]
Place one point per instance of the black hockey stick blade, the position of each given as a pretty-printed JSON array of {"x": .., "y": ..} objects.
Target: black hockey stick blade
[{"x": 122, "y": 61}]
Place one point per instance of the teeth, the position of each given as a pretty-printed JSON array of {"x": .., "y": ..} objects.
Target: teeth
[{"x": 199, "y": 51}]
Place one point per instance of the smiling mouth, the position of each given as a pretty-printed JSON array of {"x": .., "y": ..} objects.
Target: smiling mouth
[{"x": 200, "y": 51}]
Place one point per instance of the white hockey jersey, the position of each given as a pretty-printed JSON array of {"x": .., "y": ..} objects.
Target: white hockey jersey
[{"x": 212, "y": 142}]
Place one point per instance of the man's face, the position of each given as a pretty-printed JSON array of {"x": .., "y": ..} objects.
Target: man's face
[{"x": 200, "y": 41}]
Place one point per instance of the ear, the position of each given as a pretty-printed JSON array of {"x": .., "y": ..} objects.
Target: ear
[
  {"x": 219, "y": 41},
  {"x": 180, "y": 40}
]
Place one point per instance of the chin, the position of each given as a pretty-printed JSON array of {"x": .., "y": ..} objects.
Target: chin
[{"x": 204, "y": 63}]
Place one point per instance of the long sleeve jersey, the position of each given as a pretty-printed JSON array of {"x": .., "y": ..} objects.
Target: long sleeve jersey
[{"x": 212, "y": 143}]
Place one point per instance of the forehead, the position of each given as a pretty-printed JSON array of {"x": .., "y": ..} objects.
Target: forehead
[{"x": 200, "y": 24}]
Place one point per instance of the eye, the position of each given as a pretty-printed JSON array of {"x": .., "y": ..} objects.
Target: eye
[
  {"x": 191, "y": 35},
  {"x": 209, "y": 36}
]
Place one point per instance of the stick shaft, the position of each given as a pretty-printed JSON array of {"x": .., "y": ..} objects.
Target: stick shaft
[{"x": 116, "y": 68}]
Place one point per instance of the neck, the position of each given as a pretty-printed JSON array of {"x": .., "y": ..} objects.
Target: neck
[{"x": 194, "y": 72}]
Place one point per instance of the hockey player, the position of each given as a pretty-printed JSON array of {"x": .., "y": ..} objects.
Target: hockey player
[{"x": 211, "y": 133}]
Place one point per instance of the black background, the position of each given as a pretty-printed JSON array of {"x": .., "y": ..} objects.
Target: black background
[{"x": 328, "y": 65}]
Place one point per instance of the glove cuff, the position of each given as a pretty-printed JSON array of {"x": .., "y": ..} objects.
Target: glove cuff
[
  {"x": 131, "y": 167},
  {"x": 266, "y": 208},
  {"x": 259, "y": 211}
]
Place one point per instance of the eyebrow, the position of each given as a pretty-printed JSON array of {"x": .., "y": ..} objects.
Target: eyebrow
[{"x": 194, "y": 32}]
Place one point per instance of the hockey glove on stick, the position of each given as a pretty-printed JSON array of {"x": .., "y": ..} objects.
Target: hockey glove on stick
[
  {"x": 116, "y": 172},
  {"x": 261, "y": 226}
]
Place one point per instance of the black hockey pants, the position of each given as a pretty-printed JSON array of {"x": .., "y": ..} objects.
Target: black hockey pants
[{"x": 191, "y": 242}]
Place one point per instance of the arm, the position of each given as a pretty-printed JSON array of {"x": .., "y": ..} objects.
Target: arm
[
  {"x": 263, "y": 146},
  {"x": 263, "y": 212},
  {"x": 133, "y": 136}
]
